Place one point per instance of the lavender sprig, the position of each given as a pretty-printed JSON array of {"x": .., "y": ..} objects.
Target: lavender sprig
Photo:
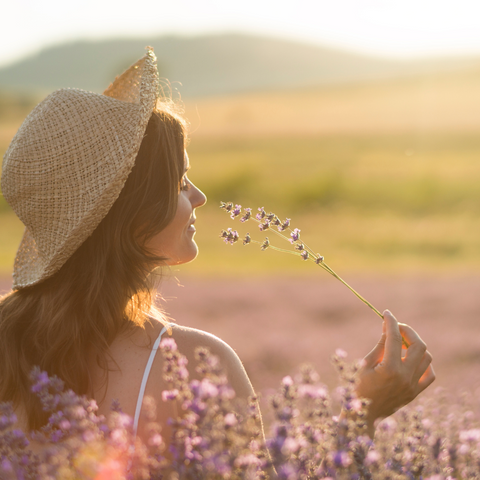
[{"x": 270, "y": 221}]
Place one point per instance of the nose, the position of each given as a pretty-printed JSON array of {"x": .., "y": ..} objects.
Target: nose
[{"x": 198, "y": 198}]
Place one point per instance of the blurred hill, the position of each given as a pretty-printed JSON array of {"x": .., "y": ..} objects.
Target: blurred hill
[{"x": 211, "y": 64}]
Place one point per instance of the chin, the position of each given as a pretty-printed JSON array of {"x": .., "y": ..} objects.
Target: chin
[
  {"x": 192, "y": 257},
  {"x": 186, "y": 257}
]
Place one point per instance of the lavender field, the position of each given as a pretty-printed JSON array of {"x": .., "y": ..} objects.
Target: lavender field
[{"x": 276, "y": 324}]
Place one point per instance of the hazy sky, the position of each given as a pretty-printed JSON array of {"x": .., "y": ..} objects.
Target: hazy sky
[{"x": 383, "y": 27}]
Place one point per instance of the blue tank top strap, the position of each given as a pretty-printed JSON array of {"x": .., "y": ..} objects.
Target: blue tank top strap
[{"x": 146, "y": 373}]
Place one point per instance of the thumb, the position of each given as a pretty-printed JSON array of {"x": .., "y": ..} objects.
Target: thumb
[{"x": 376, "y": 355}]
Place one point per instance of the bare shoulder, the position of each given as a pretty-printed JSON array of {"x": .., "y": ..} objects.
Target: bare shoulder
[
  {"x": 189, "y": 339},
  {"x": 130, "y": 355}
]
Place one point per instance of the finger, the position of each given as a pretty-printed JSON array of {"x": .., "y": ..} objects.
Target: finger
[
  {"x": 416, "y": 346},
  {"x": 376, "y": 354},
  {"x": 427, "y": 379},
  {"x": 422, "y": 367},
  {"x": 393, "y": 342}
]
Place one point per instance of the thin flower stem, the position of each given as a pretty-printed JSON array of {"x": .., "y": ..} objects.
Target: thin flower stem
[
  {"x": 276, "y": 248},
  {"x": 334, "y": 274},
  {"x": 326, "y": 268},
  {"x": 366, "y": 302},
  {"x": 298, "y": 254}
]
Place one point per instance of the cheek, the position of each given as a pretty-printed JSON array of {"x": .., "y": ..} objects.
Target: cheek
[
  {"x": 170, "y": 237},
  {"x": 184, "y": 212}
]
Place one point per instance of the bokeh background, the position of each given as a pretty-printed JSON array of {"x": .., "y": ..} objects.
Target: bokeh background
[{"x": 358, "y": 120}]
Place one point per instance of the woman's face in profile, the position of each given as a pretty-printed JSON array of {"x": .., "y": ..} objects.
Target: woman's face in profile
[{"x": 175, "y": 241}]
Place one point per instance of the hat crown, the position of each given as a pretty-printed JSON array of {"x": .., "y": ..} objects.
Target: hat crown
[
  {"x": 64, "y": 155},
  {"x": 68, "y": 163}
]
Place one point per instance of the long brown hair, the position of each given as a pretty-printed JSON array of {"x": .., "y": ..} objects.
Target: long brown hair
[{"x": 104, "y": 288}]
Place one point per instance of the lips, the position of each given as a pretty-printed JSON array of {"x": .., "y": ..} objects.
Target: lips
[{"x": 191, "y": 227}]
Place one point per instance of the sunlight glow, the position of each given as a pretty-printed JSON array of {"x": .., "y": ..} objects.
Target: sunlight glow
[{"x": 394, "y": 28}]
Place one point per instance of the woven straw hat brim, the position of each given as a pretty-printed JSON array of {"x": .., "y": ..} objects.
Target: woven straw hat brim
[{"x": 68, "y": 163}]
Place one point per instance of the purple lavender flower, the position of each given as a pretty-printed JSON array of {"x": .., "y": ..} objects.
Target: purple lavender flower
[
  {"x": 318, "y": 259},
  {"x": 115, "y": 406},
  {"x": 284, "y": 225},
  {"x": 230, "y": 419},
  {"x": 155, "y": 440},
  {"x": 247, "y": 239},
  {"x": 247, "y": 214},
  {"x": 204, "y": 388},
  {"x": 7, "y": 416},
  {"x": 312, "y": 391},
  {"x": 247, "y": 460},
  {"x": 304, "y": 255},
  {"x": 261, "y": 215},
  {"x": 295, "y": 235},
  {"x": 372, "y": 457},
  {"x": 229, "y": 236},
  {"x": 340, "y": 353},
  {"x": 236, "y": 211},
  {"x": 227, "y": 206},
  {"x": 341, "y": 459},
  {"x": 265, "y": 244},
  {"x": 168, "y": 395},
  {"x": 6, "y": 466},
  {"x": 42, "y": 380},
  {"x": 168, "y": 345},
  {"x": 264, "y": 226}
]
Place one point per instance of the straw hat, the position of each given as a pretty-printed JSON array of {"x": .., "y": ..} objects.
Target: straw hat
[{"x": 68, "y": 163}]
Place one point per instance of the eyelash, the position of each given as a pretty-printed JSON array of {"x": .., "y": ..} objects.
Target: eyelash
[{"x": 186, "y": 186}]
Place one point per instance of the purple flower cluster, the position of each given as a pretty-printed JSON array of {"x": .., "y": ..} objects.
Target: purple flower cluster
[
  {"x": 268, "y": 220},
  {"x": 16, "y": 460},
  {"x": 265, "y": 220},
  {"x": 76, "y": 442},
  {"x": 229, "y": 236},
  {"x": 216, "y": 436}
]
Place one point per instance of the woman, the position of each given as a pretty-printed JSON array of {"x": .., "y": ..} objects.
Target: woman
[{"x": 100, "y": 182}]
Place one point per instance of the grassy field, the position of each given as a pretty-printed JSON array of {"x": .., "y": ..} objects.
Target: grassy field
[
  {"x": 381, "y": 177},
  {"x": 371, "y": 202}
]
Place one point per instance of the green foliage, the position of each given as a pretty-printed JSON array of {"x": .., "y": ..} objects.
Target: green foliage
[
  {"x": 379, "y": 202},
  {"x": 3, "y": 204},
  {"x": 402, "y": 175},
  {"x": 14, "y": 105}
]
